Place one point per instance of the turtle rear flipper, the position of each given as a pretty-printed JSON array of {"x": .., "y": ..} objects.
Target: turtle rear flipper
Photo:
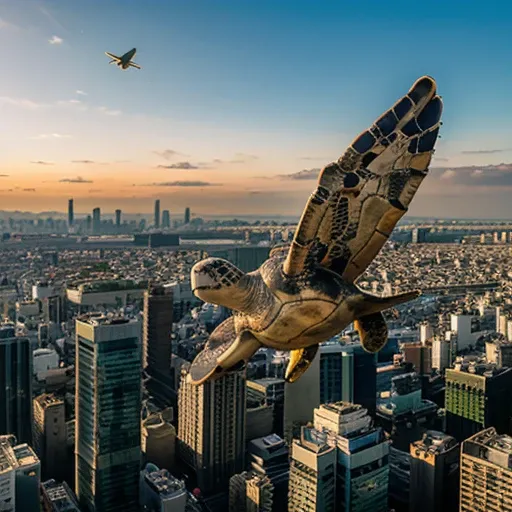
[
  {"x": 373, "y": 331},
  {"x": 225, "y": 350},
  {"x": 300, "y": 361}
]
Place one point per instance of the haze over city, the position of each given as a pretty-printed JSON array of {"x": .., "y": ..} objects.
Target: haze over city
[{"x": 238, "y": 104}]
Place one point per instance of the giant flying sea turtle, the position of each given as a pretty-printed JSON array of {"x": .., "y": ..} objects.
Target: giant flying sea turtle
[{"x": 305, "y": 293}]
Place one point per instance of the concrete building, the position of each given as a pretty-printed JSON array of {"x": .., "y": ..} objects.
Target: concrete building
[
  {"x": 440, "y": 354},
  {"x": 160, "y": 491},
  {"x": 20, "y": 474},
  {"x": 362, "y": 470},
  {"x": 44, "y": 360},
  {"x": 156, "y": 346},
  {"x": 15, "y": 385},
  {"x": 71, "y": 213},
  {"x": 420, "y": 356},
  {"x": 269, "y": 392},
  {"x": 58, "y": 497},
  {"x": 156, "y": 220},
  {"x": 312, "y": 474},
  {"x": 108, "y": 404},
  {"x": 211, "y": 429},
  {"x": 477, "y": 396},
  {"x": 246, "y": 259},
  {"x": 250, "y": 492},
  {"x": 486, "y": 473},
  {"x": 159, "y": 439},
  {"x": 434, "y": 473},
  {"x": 50, "y": 435},
  {"x": 499, "y": 353}
]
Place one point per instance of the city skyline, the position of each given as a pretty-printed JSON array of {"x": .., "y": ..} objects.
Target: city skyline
[{"x": 236, "y": 106}]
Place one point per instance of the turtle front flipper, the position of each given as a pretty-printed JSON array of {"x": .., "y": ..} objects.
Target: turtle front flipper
[
  {"x": 373, "y": 331},
  {"x": 224, "y": 350},
  {"x": 300, "y": 360}
]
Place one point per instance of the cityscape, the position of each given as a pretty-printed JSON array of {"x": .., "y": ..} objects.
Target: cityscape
[{"x": 200, "y": 313}]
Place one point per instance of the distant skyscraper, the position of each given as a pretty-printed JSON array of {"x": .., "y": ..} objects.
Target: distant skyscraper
[
  {"x": 211, "y": 429},
  {"x": 187, "y": 215},
  {"x": 434, "y": 473},
  {"x": 477, "y": 400},
  {"x": 88, "y": 223},
  {"x": 96, "y": 221},
  {"x": 156, "y": 346},
  {"x": 50, "y": 437},
  {"x": 156, "y": 221},
  {"x": 15, "y": 385},
  {"x": 71, "y": 214},
  {"x": 108, "y": 403},
  {"x": 118, "y": 219},
  {"x": 330, "y": 372},
  {"x": 486, "y": 472},
  {"x": 166, "y": 219}
]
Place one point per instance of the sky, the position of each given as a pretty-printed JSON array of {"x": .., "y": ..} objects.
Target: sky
[{"x": 235, "y": 97}]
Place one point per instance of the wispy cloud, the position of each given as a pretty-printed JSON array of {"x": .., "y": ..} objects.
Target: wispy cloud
[
  {"x": 78, "y": 179},
  {"x": 313, "y": 158},
  {"x": 168, "y": 154},
  {"x": 440, "y": 159},
  {"x": 55, "y": 40},
  {"x": 180, "y": 165},
  {"x": 109, "y": 112},
  {"x": 4, "y": 175},
  {"x": 28, "y": 189},
  {"x": 242, "y": 158},
  {"x": 476, "y": 176},
  {"x": 80, "y": 92},
  {"x": 41, "y": 162},
  {"x": 6, "y": 190},
  {"x": 183, "y": 184},
  {"x": 483, "y": 151},
  {"x": 87, "y": 162},
  {"x": 52, "y": 136},
  {"x": 94, "y": 190},
  {"x": 20, "y": 102},
  {"x": 306, "y": 174}
]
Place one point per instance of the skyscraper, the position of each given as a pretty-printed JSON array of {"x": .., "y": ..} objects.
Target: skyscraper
[
  {"x": 157, "y": 214},
  {"x": 15, "y": 385},
  {"x": 108, "y": 402},
  {"x": 187, "y": 215},
  {"x": 118, "y": 219},
  {"x": 96, "y": 221},
  {"x": 434, "y": 473},
  {"x": 71, "y": 214},
  {"x": 486, "y": 472},
  {"x": 211, "y": 429},
  {"x": 156, "y": 346},
  {"x": 166, "y": 219}
]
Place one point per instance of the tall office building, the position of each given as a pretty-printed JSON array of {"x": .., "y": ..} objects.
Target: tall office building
[
  {"x": 486, "y": 473},
  {"x": 88, "y": 223},
  {"x": 211, "y": 429},
  {"x": 50, "y": 435},
  {"x": 161, "y": 492},
  {"x": 20, "y": 475},
  {"x": 15, "y": 385},
  {"x": 312, "y": 474},
  {"x": 108, "y": 404},
  {"x": 269, "y": 391},
  {"x": 434, "y": 473},
  {"x": 330, "y": 372},
  {"x": 250, "y": 492},
  {"x": 118, "y": 219},
  {"x": 156, "y": 346},
  {"x": 156, "y": 220},
  {"x": 362, "y": 470},
  {"x": 186, "y": 219},
  {"x": 477, "y": 396},
  {"x": 55, "y": 309},
  {"x": 96, "y": 221},
  {"x": 166, "y": 219},
  {"x": 71, "y": 213}
]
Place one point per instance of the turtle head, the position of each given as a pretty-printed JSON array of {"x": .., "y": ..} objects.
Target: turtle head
[{"x": 218, "y": 281}]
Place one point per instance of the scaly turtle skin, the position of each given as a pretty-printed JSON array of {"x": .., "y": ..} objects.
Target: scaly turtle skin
[{"x": 305, "y": 293}]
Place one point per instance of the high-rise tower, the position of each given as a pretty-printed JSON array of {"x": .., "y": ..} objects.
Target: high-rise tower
[
  {"x": 15, "y": 385},
  {"x": 96, "y": 221},
  {"x": 157, "y": 214},
  {"x": 166, "y": 219},
  {"x": 108, "y": 402},
  {"x": 118, "y": 219},
  {"x": 71, "y": 213},
  {"x": 187, "y": 215},
  {"x": 156, "y": 346}
]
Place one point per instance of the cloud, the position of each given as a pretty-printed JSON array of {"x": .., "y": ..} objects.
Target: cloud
[
  {"x": 183, "y": 184},
  {"x": 6, "y": 190},
  {"x": 93, "y": 190},
  {"x": 4, "y": 24},
  {"x": 28, "y": 189},
  {"x": 483, "y": 151},
  {"x": 180, "y": 165},
  {"x": 78, "y": 179},
  {"x": 4, "y": 175},
  {"x": 306, "y": 174},
  {"x": 476, "y": 176},
  {"x": 242, "y": 158},
  {"x": 19, "y": 102},
  {"x": 56, "y": 40},
  {"x": 109, "y": 112},
  {"x": 80, "y": 92},
  {"x": 41, "y": 162},
  {"x": 86, "y": 162},
  {"x": 168, "y": 154},
  {"x": 314, "y": 158},
  {"x": 52, "y": 136},
  {"x": 440, "y": 159}
]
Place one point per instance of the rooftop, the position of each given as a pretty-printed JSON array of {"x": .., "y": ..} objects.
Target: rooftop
[
  {"x": 163, "y": 482},
  {"x": 60, "y": 496},
  {"x": 97, "y": 319},
  {"x": 435, "y": 442},
  {"x": 48, "y": 399}
]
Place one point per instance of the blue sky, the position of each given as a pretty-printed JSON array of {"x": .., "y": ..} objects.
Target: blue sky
[{"x": 245, "y": 91}]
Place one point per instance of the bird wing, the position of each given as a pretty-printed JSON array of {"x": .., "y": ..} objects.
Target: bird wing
[{"x": 360, "y": 198}]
